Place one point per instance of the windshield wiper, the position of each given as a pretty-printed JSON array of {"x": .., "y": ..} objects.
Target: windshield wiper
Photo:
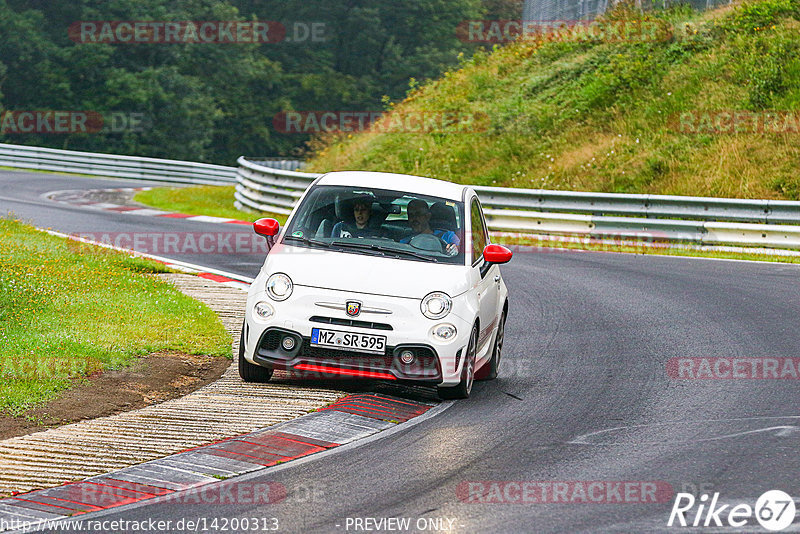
[
  {"x": 359, "y": 246},
  {"x": 390, "y": 250},
  {"x": 307, "y": 241}
]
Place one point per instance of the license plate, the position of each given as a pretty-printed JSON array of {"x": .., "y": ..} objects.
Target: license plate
[{"x": 336, "y": 339}]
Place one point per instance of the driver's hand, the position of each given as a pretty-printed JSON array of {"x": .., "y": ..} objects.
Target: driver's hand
[{"x": 452, "y": 249}]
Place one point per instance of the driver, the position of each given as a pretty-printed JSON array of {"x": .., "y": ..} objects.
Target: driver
[
  {"x": 362, "y": 211},
  {"x": 419, "y": 218}
]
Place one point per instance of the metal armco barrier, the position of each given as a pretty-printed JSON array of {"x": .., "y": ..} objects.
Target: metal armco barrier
[
  {"x": 262, "y": 188},
  {"x": 132, "y": 167},
  {"x": 280, "y": 163},
  {"x": 703, "y": 220}
]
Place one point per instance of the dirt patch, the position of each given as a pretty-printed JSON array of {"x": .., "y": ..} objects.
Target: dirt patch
[{"x": 155, "y": 378}]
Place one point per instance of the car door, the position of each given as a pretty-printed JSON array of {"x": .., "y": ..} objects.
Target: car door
[{"x": 487, "y": 274}]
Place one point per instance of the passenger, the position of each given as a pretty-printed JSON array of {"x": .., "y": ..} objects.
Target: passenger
[
  {"x": 419, "y": 218},
  {"x": 362, "y": 211}
]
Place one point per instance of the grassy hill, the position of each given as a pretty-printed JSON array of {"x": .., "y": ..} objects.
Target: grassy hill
[{"x": 632, "y": 116}]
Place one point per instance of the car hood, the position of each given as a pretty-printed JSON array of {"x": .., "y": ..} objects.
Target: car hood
[{"x": 362, "y": 273}]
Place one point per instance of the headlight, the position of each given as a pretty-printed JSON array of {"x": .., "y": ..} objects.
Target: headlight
[
  {"x": 436, "y": 305},
  {"x": 279, "y": 287},
  {"x": 263, "y": 310},
  {"x": 444, "y": 332}
]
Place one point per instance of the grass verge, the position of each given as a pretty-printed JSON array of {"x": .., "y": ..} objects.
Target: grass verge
[
  {"x": 68, "y": 310},
  {"x": 213, "y": 200}
]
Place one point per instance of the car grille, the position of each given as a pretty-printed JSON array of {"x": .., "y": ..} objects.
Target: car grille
[
  {"x": 351, "y": 322},
  {"x": 271, "y": 339},
  {"x": 345, "y": 356}
]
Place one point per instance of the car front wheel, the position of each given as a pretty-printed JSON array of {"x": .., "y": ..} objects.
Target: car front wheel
[
  {"x": 464, "y": 388},
  {"x": 248, "y": 371}
]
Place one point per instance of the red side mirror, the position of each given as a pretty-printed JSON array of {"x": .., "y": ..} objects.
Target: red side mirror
[
  {"x": 267, "y": 227},
  {"x": 496, "y": 254}
]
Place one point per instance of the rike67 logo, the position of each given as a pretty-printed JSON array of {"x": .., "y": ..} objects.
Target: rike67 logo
[{"x": 774, "y": 511}]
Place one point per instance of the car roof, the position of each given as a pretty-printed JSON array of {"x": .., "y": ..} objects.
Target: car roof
[{"x": 397, "y": 182}]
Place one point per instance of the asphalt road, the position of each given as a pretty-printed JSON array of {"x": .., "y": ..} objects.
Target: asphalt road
[
  {"x": 22, "y": 193},
  {"x": 583, "y": 395}
]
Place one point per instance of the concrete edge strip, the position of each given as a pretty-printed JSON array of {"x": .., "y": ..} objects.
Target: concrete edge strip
[
  {"x": 244, "y": 478},
  {"x": 207, "y": 474}
]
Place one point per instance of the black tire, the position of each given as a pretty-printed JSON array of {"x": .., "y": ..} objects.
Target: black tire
[
  {"x": 251, "y": 372},
  {"x": 490, "y": 368},
  {"x": 464, "y": 388}
]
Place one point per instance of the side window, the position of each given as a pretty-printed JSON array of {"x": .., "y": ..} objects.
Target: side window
[{"x": 478, "y": 233}]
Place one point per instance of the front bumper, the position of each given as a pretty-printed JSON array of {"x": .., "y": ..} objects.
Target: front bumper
[
  {"x": 436, "y": 362},
  {"x": 312, "y": 360}
]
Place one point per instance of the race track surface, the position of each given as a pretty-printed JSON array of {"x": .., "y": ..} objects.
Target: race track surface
[{"x": 22, "y": 193}]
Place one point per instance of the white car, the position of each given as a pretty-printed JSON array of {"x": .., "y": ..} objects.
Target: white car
[{"x": 379, "y": 276}]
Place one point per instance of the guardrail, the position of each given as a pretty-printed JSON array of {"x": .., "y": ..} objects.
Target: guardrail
[
  {"x": 115, "y": 166},
  {"x": 704, "y": 220},
  {"x": 267, "y": 189},
  {"x": 279, "y": 163}
]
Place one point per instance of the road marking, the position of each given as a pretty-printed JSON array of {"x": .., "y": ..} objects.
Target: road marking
[{"x": 780, "y": 430}]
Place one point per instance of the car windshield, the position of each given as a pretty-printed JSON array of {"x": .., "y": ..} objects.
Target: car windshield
[{"x": 362, "y": 220}]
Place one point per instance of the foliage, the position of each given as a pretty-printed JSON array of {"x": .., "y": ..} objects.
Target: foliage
[{"x": 207, "y": 102}]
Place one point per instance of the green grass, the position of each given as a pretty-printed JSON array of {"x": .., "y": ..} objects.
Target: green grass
[
  {"x": 600, "y": 116},
  {"x": 549, "y": 243},
  {"x": 68, "y": 310},
  {"x": 216, "y": 201}
]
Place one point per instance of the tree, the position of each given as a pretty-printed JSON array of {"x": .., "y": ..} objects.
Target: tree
[{"x": 215, "y": 102}]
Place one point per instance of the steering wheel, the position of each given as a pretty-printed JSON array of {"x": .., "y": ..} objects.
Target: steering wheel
[{"x": 428, "y": 242}]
